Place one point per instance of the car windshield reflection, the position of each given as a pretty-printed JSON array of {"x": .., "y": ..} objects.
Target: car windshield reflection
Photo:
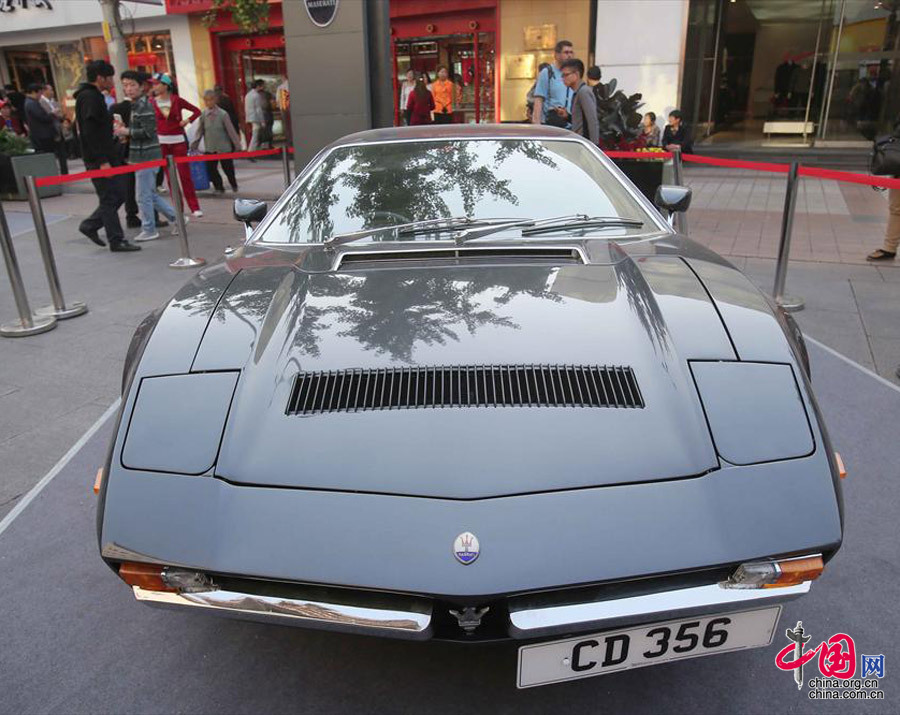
[{"x": 371, "y": 191}]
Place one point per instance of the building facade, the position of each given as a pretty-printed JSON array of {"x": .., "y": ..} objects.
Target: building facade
[{"x": 50, "y": 41}]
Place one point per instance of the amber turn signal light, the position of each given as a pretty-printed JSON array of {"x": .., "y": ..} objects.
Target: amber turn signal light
[
  {"x": 775, "y": 574},
  {"x": 98, "y": 480},
  {"x": 794, "y": 571},
  {"x": 842, "y": 473},
  {"x": 146, "y": 576}
]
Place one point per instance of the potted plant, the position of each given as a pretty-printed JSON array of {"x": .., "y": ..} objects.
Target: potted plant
[
  {"x": 17, "y": 160},
  {"x": 620, "y": 130}
]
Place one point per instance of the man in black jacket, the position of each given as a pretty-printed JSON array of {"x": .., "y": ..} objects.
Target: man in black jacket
[
  {"x": 100, "y": 151},
  {"x": 41, "y": 125},
  {"x": 676, "y": 135}
]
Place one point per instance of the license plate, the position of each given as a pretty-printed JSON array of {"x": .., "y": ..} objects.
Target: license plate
[{"x": 613, "y": 651}]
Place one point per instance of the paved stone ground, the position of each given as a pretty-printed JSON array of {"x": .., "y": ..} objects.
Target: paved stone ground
[{"x": 54, "y": 386}]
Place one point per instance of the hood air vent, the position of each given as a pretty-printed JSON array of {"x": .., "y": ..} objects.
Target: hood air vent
[{"x": 464, "y": 386}]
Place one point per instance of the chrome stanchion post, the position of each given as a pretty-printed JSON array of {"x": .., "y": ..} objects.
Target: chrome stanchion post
[
  {"x": 286, "y": 166},
  {"x": 28, "y": 324},
  {"x": 185, "y": 261},
  {"x": 59, "y": 309},
  {"x": 678, "y": 178},
  {"x": 790, "y": 303}
]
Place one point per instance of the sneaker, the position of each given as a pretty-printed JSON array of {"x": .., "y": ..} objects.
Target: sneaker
[
  {"x": 197, "y": 214},
  {"x": 162, "y": 189},
  {"x": 122, "y": 246},
  {"x": 144, "y": 236},
  {"x": 93, "y": 235}
]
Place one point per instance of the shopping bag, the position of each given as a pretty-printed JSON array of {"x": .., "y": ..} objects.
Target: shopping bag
[{"x": 199, "y": 175}]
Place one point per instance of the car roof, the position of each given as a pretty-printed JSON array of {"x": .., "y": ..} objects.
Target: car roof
[{"x": 456, "y": 131}]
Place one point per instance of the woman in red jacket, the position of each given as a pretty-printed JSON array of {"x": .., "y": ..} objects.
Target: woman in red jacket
[
  {"x": 170, "y": 126},
  {"x": 420, "y": 103}
]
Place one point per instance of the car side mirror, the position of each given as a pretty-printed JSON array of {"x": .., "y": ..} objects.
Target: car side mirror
[
  {"x": 249, "y": 211},
  {"x": 673, "y": 199}
]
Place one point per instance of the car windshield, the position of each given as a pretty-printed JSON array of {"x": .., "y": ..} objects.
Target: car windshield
[{"x": 375, "y": 187}]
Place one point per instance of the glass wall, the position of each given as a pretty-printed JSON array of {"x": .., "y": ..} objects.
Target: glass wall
[{"x": 825, "y": 65}]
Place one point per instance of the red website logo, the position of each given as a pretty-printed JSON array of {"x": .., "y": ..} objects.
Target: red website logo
[{"x": 837, "y": 655}]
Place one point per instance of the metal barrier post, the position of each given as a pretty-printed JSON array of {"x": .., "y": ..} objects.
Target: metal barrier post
[
  {"x": 185, "y": 261},
  {"x": 28, "y": 324},
  {"x": 677, "y": 176},
  {"x": 286, "y": 166},
  {"x": 790, "y": 303},
  {"x": 59, "y": 309}
]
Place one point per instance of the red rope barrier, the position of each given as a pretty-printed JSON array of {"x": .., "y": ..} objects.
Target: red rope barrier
[
  {"x": 737, "y": 164},
  {"x": 97, "y": 173},
  {"x": 638, "y": 154},
  {"x": 868, "y": 180},
  {"x": 230, "y": 155}
]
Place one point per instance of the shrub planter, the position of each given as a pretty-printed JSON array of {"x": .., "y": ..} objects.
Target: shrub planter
[
  {"x": 647, "y": 174},
  {"x": 14, "y": 169}
]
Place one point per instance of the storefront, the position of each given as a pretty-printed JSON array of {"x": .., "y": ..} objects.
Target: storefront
[
  {"x": 233, "y": 58},
  {"x": 50, "y": 43},
  {"x": 491, "y": 48},
  {"x": 826, "y": 64}
]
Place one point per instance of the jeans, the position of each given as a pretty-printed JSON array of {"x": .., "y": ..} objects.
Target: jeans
[{"x": 149, "y": 200}]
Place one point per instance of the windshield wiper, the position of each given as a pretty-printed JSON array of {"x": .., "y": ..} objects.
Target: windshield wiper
[
  {"x": 413, "y": 227},
  {"x": 536, "y": 226},
  {"x": 585, "y": 222}
]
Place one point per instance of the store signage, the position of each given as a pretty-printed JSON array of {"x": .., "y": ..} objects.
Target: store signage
[
  {"x": 10, "y": 5},
  {"x": 321, "y": 12}
]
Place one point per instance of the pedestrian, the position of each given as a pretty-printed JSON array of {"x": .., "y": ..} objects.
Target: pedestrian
[
  {"x": 677, "y": 135},
  {"x": 9, "y": 122},
  {"x": 267, "y": 136},
  {"x": 529, "y": 95},
  {"x": 48, "y": 102},
  {"x": 169, "y": 108},
  {"x": 98, "y": 147},
  {"x": 283, "y": 100},
  {"x": 406, "y": 88},
  {"x": 650, "y": 130},
  {"x": 225, "y": 102},
  {"x": 593, "y": 76},
  {"x": 220, "y": 137},
  {"x": 551, "y": 96},
  {"x": 41, "y": 127},
  {"x": 420, "y": 103},
  {"x": 121, "y": 114},
  {"x": 143, "y": 145},
  {"x": 583, "y": 105},
  {"x": 14, "y": 96},
  {"x": 444, "y": 92},
  {"x": 253, "y": 114}
]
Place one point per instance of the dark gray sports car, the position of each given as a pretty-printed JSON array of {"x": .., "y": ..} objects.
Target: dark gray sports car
[{"x": 467, "y": 383}]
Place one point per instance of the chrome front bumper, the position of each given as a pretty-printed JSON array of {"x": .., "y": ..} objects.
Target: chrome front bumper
[
  {"x": 524, "y": 623},
  {"x": 412, "y": 625},
  {"x": 599, "y": 615}
]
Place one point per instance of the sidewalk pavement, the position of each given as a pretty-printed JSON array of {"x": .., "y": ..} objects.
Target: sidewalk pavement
[{"x": 54, "y": 386}]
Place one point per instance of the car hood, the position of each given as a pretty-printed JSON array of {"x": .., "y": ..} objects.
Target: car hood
[{"x": 276, "y": 321}]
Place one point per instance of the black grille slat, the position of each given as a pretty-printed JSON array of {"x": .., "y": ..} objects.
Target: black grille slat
[{"x": 461, "y": 386}]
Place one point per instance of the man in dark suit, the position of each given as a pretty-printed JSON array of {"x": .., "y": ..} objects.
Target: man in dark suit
[{"x": 41, "y": 124}]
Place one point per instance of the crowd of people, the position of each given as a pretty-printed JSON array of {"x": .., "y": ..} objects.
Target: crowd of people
[
  {"x": 149, "y": 123},
  {"x": 565, "y": 95}
]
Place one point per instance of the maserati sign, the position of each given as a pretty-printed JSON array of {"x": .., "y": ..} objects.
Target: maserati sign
[{"x": 321, "y": 12}]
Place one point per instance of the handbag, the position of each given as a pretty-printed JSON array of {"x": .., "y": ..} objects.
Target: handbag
[
  {"x": 553, "y": 119},
  {"x": 885, "y": 160},
  {"x": 199, "y": 175}
]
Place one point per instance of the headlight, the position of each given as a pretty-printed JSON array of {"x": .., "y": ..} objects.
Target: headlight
[{"x": 177, "y": 421}]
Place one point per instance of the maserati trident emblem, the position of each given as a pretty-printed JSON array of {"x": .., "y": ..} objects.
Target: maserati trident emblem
[{"x": 466, "y": 548}]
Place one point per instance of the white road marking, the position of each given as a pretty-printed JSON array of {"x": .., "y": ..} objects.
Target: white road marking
[
  {"x": 861, "y": 368},
  {"x": 57, "y": 468}
]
